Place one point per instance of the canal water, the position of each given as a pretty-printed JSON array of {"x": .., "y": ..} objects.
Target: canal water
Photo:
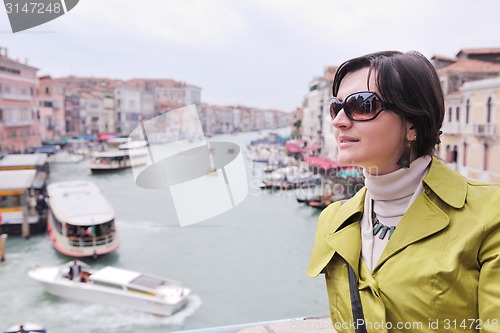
[{"x": 245, "y": 265}]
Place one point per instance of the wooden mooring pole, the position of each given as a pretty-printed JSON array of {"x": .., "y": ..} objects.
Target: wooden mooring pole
[{"x": 3, "y": 239}]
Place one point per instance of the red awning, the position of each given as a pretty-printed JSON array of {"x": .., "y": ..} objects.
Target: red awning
[
  {"x": 313, "y": 148},
  {"x": 322, "y": 162},
  {"x": 293, "y": 148},
  {"x": 105, "y": 136}
]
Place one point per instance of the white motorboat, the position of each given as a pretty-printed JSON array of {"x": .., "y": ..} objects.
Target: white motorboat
[
  {"x": 81, "y": 221},
  {"x": 26, "y": 328},
  {"x": 114, "y": 286}
]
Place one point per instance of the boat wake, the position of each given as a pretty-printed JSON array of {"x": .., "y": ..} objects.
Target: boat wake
[{"x": 96, "y": 317}]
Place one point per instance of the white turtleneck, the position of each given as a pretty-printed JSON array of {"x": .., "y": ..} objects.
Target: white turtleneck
[{"x": 392, "y": 195}]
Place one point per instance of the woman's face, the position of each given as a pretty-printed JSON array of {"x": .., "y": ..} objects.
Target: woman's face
[{"x": 375, "y": 145}]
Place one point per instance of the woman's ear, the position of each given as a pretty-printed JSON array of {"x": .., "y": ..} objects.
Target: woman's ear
[{"x": 411, "y": 132}]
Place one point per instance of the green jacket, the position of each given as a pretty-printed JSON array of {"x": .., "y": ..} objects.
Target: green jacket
[{"x": 440, "y": 272}]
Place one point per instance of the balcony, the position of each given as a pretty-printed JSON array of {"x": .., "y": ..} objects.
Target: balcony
[
  {"x": 16, "y": 97},
  {"x": 18, "y": 123},
  {"x": 485, "y": 130},
  {"x": 451, "y": 128}
]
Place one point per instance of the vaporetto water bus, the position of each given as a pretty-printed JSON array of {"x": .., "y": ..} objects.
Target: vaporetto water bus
[
  {"x": 126, "y": 156},
  {"x": 81, "y": 221}
]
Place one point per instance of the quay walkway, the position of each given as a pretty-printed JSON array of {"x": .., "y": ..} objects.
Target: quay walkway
[{"x": 296, "y": 325}]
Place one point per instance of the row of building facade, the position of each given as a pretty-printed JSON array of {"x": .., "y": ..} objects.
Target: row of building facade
[
  {"x": 36, "y": 109},
  {"x": 470, "y": 142}
]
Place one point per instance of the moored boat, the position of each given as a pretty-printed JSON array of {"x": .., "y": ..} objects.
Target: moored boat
[
  {"x": 22, "y": 202},
  {"x": 65, "y": 157},
  {"x": 113, "y": 286},
  {"x": 81, "y": 221}
]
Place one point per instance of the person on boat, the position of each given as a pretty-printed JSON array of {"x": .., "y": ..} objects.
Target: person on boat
[
  {"x": 75, "y": 270},
  {"x": 41, "y": 204},
  {"x": 31, "y": 201},
  {"x": 420, "y": 243}
]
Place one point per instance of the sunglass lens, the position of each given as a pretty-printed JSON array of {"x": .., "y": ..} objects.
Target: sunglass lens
[
  {"x": 362, "y": 106},
  {"x": 335, "y": 107}
]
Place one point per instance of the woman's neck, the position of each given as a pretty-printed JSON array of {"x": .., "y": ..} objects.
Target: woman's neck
[{"x": 397, "y": 184}]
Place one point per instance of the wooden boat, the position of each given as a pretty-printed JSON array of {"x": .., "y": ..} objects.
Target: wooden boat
[
  {"x": 81, "y": 221},
  {"x": 113, "y": 286}
]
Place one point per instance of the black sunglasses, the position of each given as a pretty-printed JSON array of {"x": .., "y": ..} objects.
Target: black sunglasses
[{"x": 360, "y": 106}]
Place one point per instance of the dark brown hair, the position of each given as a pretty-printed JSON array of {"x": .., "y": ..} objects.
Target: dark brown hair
[{"x": 410, "y": 84}]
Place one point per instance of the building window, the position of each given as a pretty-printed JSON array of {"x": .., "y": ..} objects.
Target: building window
[
  {"x": 465, "y": 154},
  {"x": 450, "y": 115},
  {"x": 467, "y": 112},
  {"x": 485, "y": 157},
  {"x": 488, "y": 110},
  {"x": 457, "y": 114},
  {"x": 454, "y": 154}
]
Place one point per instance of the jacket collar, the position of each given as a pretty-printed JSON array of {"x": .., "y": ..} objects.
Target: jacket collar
[
  {"x": 345, "y": 231},
  {"x": 449, "y": 186}
]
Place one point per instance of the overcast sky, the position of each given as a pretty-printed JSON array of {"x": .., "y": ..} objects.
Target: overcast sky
[{"x": 258, "y": 53}]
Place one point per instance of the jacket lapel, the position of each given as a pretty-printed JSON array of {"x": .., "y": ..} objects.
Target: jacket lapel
[
  {"x": 421, "y": 220},
  {"x": 425, "y": 218},
  {"x": 345, "y": 232}
]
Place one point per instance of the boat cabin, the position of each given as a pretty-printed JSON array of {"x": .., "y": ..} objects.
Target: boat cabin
[{"x": 20, "y": 203}]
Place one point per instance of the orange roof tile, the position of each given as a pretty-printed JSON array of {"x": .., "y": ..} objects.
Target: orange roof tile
[
  {"x": 140, "y": 82},
  {"x": 470, "y": 66},
  {"x": 491, "y": 50},
  {"x": 17, "y": 62},
  {"x": 443, "y": 58}
]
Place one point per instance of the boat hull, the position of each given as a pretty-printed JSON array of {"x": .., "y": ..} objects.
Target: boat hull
[{"x": 91, "y": 293}]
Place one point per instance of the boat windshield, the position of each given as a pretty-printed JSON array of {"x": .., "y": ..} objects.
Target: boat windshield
[{"x": 148, "y": 282}]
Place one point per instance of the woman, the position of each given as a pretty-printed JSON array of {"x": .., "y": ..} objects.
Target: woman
[{"x": 420, "y": 242}]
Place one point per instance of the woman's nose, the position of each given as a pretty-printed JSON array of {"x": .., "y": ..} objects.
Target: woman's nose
[{"x": 341, "y": 120}]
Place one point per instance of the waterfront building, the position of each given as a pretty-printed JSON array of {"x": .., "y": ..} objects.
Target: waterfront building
[
  {"x": 223, "y": 119},
  {"x": 471, "y": 130},
  {"x": 215, "y": 119},
  {"x": 51, "y": 108},
  {"x": 106, "y": 120},
  {"x": 316, "y": 122},
  {"x": 169, "y": 90},
  {"x": 296, "y": 120},
  {"x": 18, "y": 105},
  {"x": 127, "y": 108},
  {"x": 247, "y": 119},
  {"x": 470, "y": 142},
  {"x": 88, "y": 104},
  {"x": 92, "y": 113}
]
